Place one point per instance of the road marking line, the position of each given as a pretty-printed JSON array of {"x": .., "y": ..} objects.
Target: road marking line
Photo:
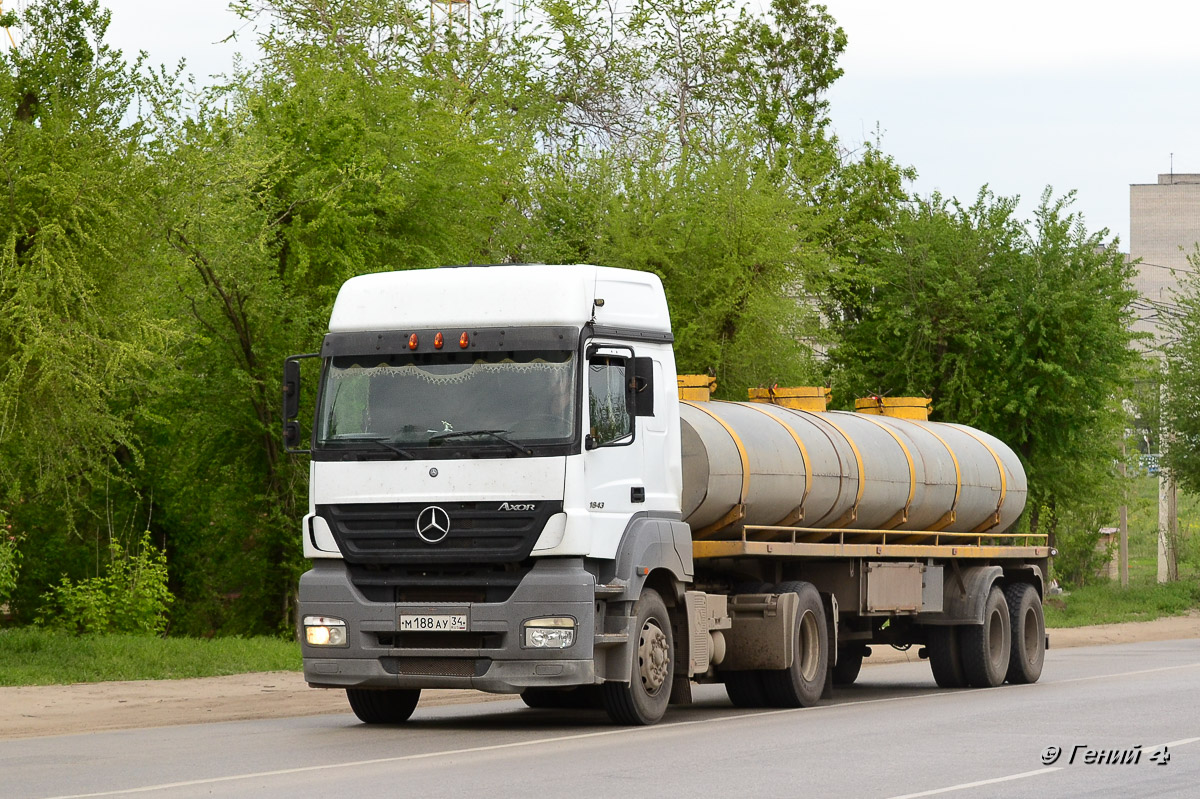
[
  {"x": 603, "y": 733},
  {"x": 964, "y": 786},
  {"x": 1122, "y": 674},
  {"x": 1184, "y": 742}
]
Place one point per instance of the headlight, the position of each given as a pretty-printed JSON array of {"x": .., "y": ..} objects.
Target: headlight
[
  {"x": 325, "y": 631},
  {"x": 555, "y": 632}
]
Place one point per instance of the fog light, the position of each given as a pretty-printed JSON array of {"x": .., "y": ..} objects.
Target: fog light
[
  {"x": 556, "y": 632},
  {"x": 325, "y": 631}
]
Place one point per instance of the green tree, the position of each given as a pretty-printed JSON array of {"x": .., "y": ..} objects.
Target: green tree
[
  {"x": 78, "y": 346},
  {"x": 1182, "y": 375},
  {"x": 346, "y": 152},
  {"x": 1020, "y": 330}
]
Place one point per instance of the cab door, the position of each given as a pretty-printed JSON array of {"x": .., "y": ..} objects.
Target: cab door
[{"x": 613, "y": 451}]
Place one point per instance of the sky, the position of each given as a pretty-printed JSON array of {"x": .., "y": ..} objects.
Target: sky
[{"x": 1017, "y": 95}]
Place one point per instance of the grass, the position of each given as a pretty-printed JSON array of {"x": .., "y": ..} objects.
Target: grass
[
  {"x": 34, "y": 656},
  {"x": 1103, "y": 601},
  {"x": 1108, "y": 603}
]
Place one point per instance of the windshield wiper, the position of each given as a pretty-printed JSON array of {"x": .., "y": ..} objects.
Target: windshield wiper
[
  {"x": 496, "y": 434},
  {"x": 383, "y": 442}
]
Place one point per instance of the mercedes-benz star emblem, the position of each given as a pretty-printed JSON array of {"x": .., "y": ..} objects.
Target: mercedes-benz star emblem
[{"x": 433, "y": 524}]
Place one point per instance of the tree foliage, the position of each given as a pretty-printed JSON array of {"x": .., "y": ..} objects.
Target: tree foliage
[
  {"x": 1182, "y": 375},
  {"x": 79, "y": 347},
  {"x": 1020, "y": 329},
  {"x": 162, "y": 251}
]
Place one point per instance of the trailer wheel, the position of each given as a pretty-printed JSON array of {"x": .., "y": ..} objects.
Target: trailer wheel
[
  {"x": 802, "y": 684},
  {"x": 849, "y": 664},
  {"x": 1028, "y": 634},
  {"x": 383, "y": 706},
  {"x": 986, "y": 647},
  {"x": 944, "y": 656},
  {"x": 644, "y": 699}
]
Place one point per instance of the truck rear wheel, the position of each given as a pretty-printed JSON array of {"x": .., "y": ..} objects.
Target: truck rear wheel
[
  {"x": 802, "y": 683},
  {"x": 383, "y": 706},
  {"x": 945, "y": 658},
  {"x": 1028, "y": 634},
  {"x": 644, "y": 699},
  {"x": 986, "y": 647},
  {"x": 745, "y": 688}
]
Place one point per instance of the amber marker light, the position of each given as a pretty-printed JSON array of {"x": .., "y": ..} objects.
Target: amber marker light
[
  {"x": 412, "y": 341},
  {"x": 438, "y": 341},
  {"x": 463, "y": 341}
]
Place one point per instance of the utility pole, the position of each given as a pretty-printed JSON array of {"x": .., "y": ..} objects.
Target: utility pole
[
  {"x": 1167, "y": 520},
  {"x": 1123, "y": 543}
]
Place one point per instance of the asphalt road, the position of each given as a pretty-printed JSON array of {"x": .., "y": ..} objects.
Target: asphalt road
[{"x": 895, "y": 734}]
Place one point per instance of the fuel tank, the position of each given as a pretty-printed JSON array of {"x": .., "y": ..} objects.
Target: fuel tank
[{"x": 763, "y": 464}]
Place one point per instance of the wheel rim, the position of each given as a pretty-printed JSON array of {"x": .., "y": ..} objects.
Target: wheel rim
[
  {"x": 995, "y": 634},
  {"x": 1032, "y": 633},
  {"x": 810, "y": 646},
  {"x": 654, "y": 657}
]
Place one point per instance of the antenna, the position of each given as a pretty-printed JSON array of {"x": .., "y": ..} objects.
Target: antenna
[{"x": 1172, "y": 167}]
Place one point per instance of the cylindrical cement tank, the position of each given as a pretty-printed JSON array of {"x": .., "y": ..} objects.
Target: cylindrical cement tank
[{"x": 761, "y": 464}]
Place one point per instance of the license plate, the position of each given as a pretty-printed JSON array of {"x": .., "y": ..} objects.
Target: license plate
[{"x": 433, "y": 622}]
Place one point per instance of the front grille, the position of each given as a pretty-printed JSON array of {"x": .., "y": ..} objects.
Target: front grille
[
  {"x": 436, "y": 667},
  {"x": 459, "y": 584},
  {"x": 479, "y": 532}
]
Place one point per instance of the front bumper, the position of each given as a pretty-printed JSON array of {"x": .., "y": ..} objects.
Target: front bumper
[{"x": 489, "y": 656}]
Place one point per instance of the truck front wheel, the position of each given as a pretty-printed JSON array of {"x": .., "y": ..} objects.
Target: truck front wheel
[
  {"x": 383, "y": 706},
  {"x": 802, "y": 683},
  {"x": 644, "y": 699}
]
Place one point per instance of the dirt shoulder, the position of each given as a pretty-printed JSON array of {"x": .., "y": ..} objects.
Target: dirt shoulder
[{"x": 93, "y": 707}]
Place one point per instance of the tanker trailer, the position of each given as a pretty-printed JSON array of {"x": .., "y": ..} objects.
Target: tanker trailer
[{"x": 873, "y": 509}]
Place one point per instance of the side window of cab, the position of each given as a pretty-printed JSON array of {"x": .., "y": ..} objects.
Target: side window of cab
[{"x": 608, "y": 401}]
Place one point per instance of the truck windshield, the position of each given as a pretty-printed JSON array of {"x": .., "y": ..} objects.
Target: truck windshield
[{"x": 500, "y": 400}]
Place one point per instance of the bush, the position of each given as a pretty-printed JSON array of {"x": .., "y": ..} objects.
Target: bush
[
  {"x": 131, "y": 597},
  {"x": 10, "y": 559},
  {"x": 1080, "y": 559}
]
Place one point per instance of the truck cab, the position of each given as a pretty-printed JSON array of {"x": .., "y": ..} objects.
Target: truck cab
[{"x": 495, "y": 453}]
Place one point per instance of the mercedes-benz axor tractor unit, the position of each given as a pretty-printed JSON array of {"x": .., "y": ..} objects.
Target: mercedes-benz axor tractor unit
[{"x": 512, "y": 490}]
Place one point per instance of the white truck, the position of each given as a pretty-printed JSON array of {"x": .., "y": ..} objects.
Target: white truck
[{"x": 508, "y": 494}]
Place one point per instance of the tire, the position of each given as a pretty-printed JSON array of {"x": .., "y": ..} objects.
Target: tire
[
  {"x": 583, "y": 697},
  {"x": 944, "y": 656},
  {"x": 644, "y": 699},
  {"x": 1028, "y": 634},
  {"x": 745, "y": 689},
  {"x": 849, "y": 663},
  {"x": 986, "y": 647},
  {"x": 383, "y": 706},
  {"x": 542, "y": 698},
  {"x": 802, "y": 683}
]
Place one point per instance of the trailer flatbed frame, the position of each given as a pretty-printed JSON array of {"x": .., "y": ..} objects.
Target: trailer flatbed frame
[{"x": 773, "y": 541}]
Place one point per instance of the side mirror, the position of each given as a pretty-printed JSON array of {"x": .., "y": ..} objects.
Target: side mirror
[
  {"x": 291, "y": 402},
  {"x": 291, "y": 390},
  {"x": 291, "y": 435},
  {"x": 642, "y": 387}
]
